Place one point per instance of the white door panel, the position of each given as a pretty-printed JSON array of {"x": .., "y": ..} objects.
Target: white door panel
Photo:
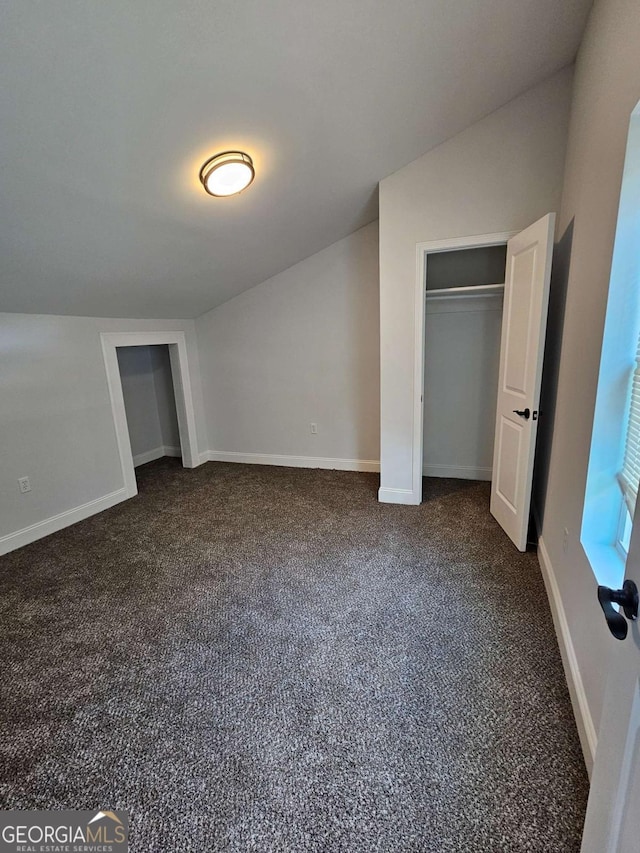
[
  {"x": 521, "y": 305},
  {"x": 524, "y": 322},
  {"x": 613, "y": 814},
  {"x": 626, "y": 831},
  {"x": 508, "y": 454}
]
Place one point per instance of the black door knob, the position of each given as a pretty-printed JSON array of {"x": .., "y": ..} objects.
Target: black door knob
[
  {"x": 524, "y": 413},
  {"x": 627, "y": 598}
]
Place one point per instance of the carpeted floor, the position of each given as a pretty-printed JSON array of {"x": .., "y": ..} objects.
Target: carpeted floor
[{"x": 266, "y": 659}]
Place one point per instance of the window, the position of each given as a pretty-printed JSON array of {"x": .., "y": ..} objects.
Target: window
[
  {"x": 614, "y": 461},
  {"x": 629, "y": 477},
  {"x": 630, "y": 474}
]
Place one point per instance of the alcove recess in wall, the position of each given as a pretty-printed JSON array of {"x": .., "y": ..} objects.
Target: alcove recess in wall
[
  {"x": 149, "y": 402},
  {"x": 464, "y": 290}
]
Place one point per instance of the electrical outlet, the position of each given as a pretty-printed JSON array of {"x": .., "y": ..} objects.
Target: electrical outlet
[
  {"x": 565, "y": 541},
  {"x": 314, "y": 429},
  {"x": 25, "y": 485}
]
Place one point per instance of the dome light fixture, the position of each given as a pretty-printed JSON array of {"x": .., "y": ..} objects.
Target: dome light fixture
[{"x": 227, "y": 173}]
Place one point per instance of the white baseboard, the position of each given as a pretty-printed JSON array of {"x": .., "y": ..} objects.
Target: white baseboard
[
  {"x": 327, "y": 462},
  {"x": 398, "y": 496},
  {"x": 460, "y": 472},
  {"x": 147, "y": 456},
  {"x": 56, "y": 522},
  {"x": 584, "y": 721},
  {"x": 156, "y": 453}
]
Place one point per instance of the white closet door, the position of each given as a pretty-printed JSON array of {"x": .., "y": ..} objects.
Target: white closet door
[{"x": 524, "y": 322}]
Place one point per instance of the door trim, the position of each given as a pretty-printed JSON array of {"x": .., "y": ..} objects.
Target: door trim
[
  {"x": 422, "y": 251},
  {"x": 182, "y": 389}
]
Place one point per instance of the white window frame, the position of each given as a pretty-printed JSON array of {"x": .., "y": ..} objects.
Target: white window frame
[
  {"x": 623, "y": 533},
  {"x": 603, "y": 521}
]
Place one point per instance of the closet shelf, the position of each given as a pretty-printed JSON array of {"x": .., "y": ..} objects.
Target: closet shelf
[{"x": 461, "y": 292}]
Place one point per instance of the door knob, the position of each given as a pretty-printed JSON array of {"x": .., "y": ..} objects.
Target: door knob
[
  {"x": 524, "y": 413},
  {"x": 627, "y": 598}
]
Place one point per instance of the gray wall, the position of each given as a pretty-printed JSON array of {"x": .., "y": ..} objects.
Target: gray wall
[
  {"x": 298, "y": 349},
  {"x": 165, "y": 396},
  {"x": 139, "y": 395},
  {"x": 55, "y": 418},
  {"x": 607, "y": 88},
  {"x": 466, "y": 268},
  {"x": 462, "y": 358}
]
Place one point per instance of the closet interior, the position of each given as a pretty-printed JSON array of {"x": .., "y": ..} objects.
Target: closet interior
[{"x": 464, "y": 294}]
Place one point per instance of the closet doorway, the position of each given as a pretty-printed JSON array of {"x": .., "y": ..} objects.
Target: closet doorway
[
  {"x": 527, "y": 279},
  {"x": 463, "y": 320},
  {"x": 176, "y": 345},
  {"x": 444, "y": 275},
  {"x": 149, "y": 402}
]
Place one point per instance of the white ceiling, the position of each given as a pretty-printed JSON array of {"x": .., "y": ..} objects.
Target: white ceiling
[{"x": 109, "y": 109}]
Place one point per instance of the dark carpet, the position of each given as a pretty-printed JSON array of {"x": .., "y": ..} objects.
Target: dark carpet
[{"x": 266, "y": 659}]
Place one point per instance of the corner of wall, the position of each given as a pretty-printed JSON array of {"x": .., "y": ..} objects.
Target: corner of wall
[{"x": 398, "y": 496}]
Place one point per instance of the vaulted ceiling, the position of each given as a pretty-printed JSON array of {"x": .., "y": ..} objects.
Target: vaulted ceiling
[{"x": 110, "y": 108}]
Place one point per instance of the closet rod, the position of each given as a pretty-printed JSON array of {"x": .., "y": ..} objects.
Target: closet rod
[{"x": 472, "y": 290}]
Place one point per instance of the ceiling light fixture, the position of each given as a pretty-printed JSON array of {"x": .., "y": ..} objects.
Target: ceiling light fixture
[{"x": 227, "y": 173}]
